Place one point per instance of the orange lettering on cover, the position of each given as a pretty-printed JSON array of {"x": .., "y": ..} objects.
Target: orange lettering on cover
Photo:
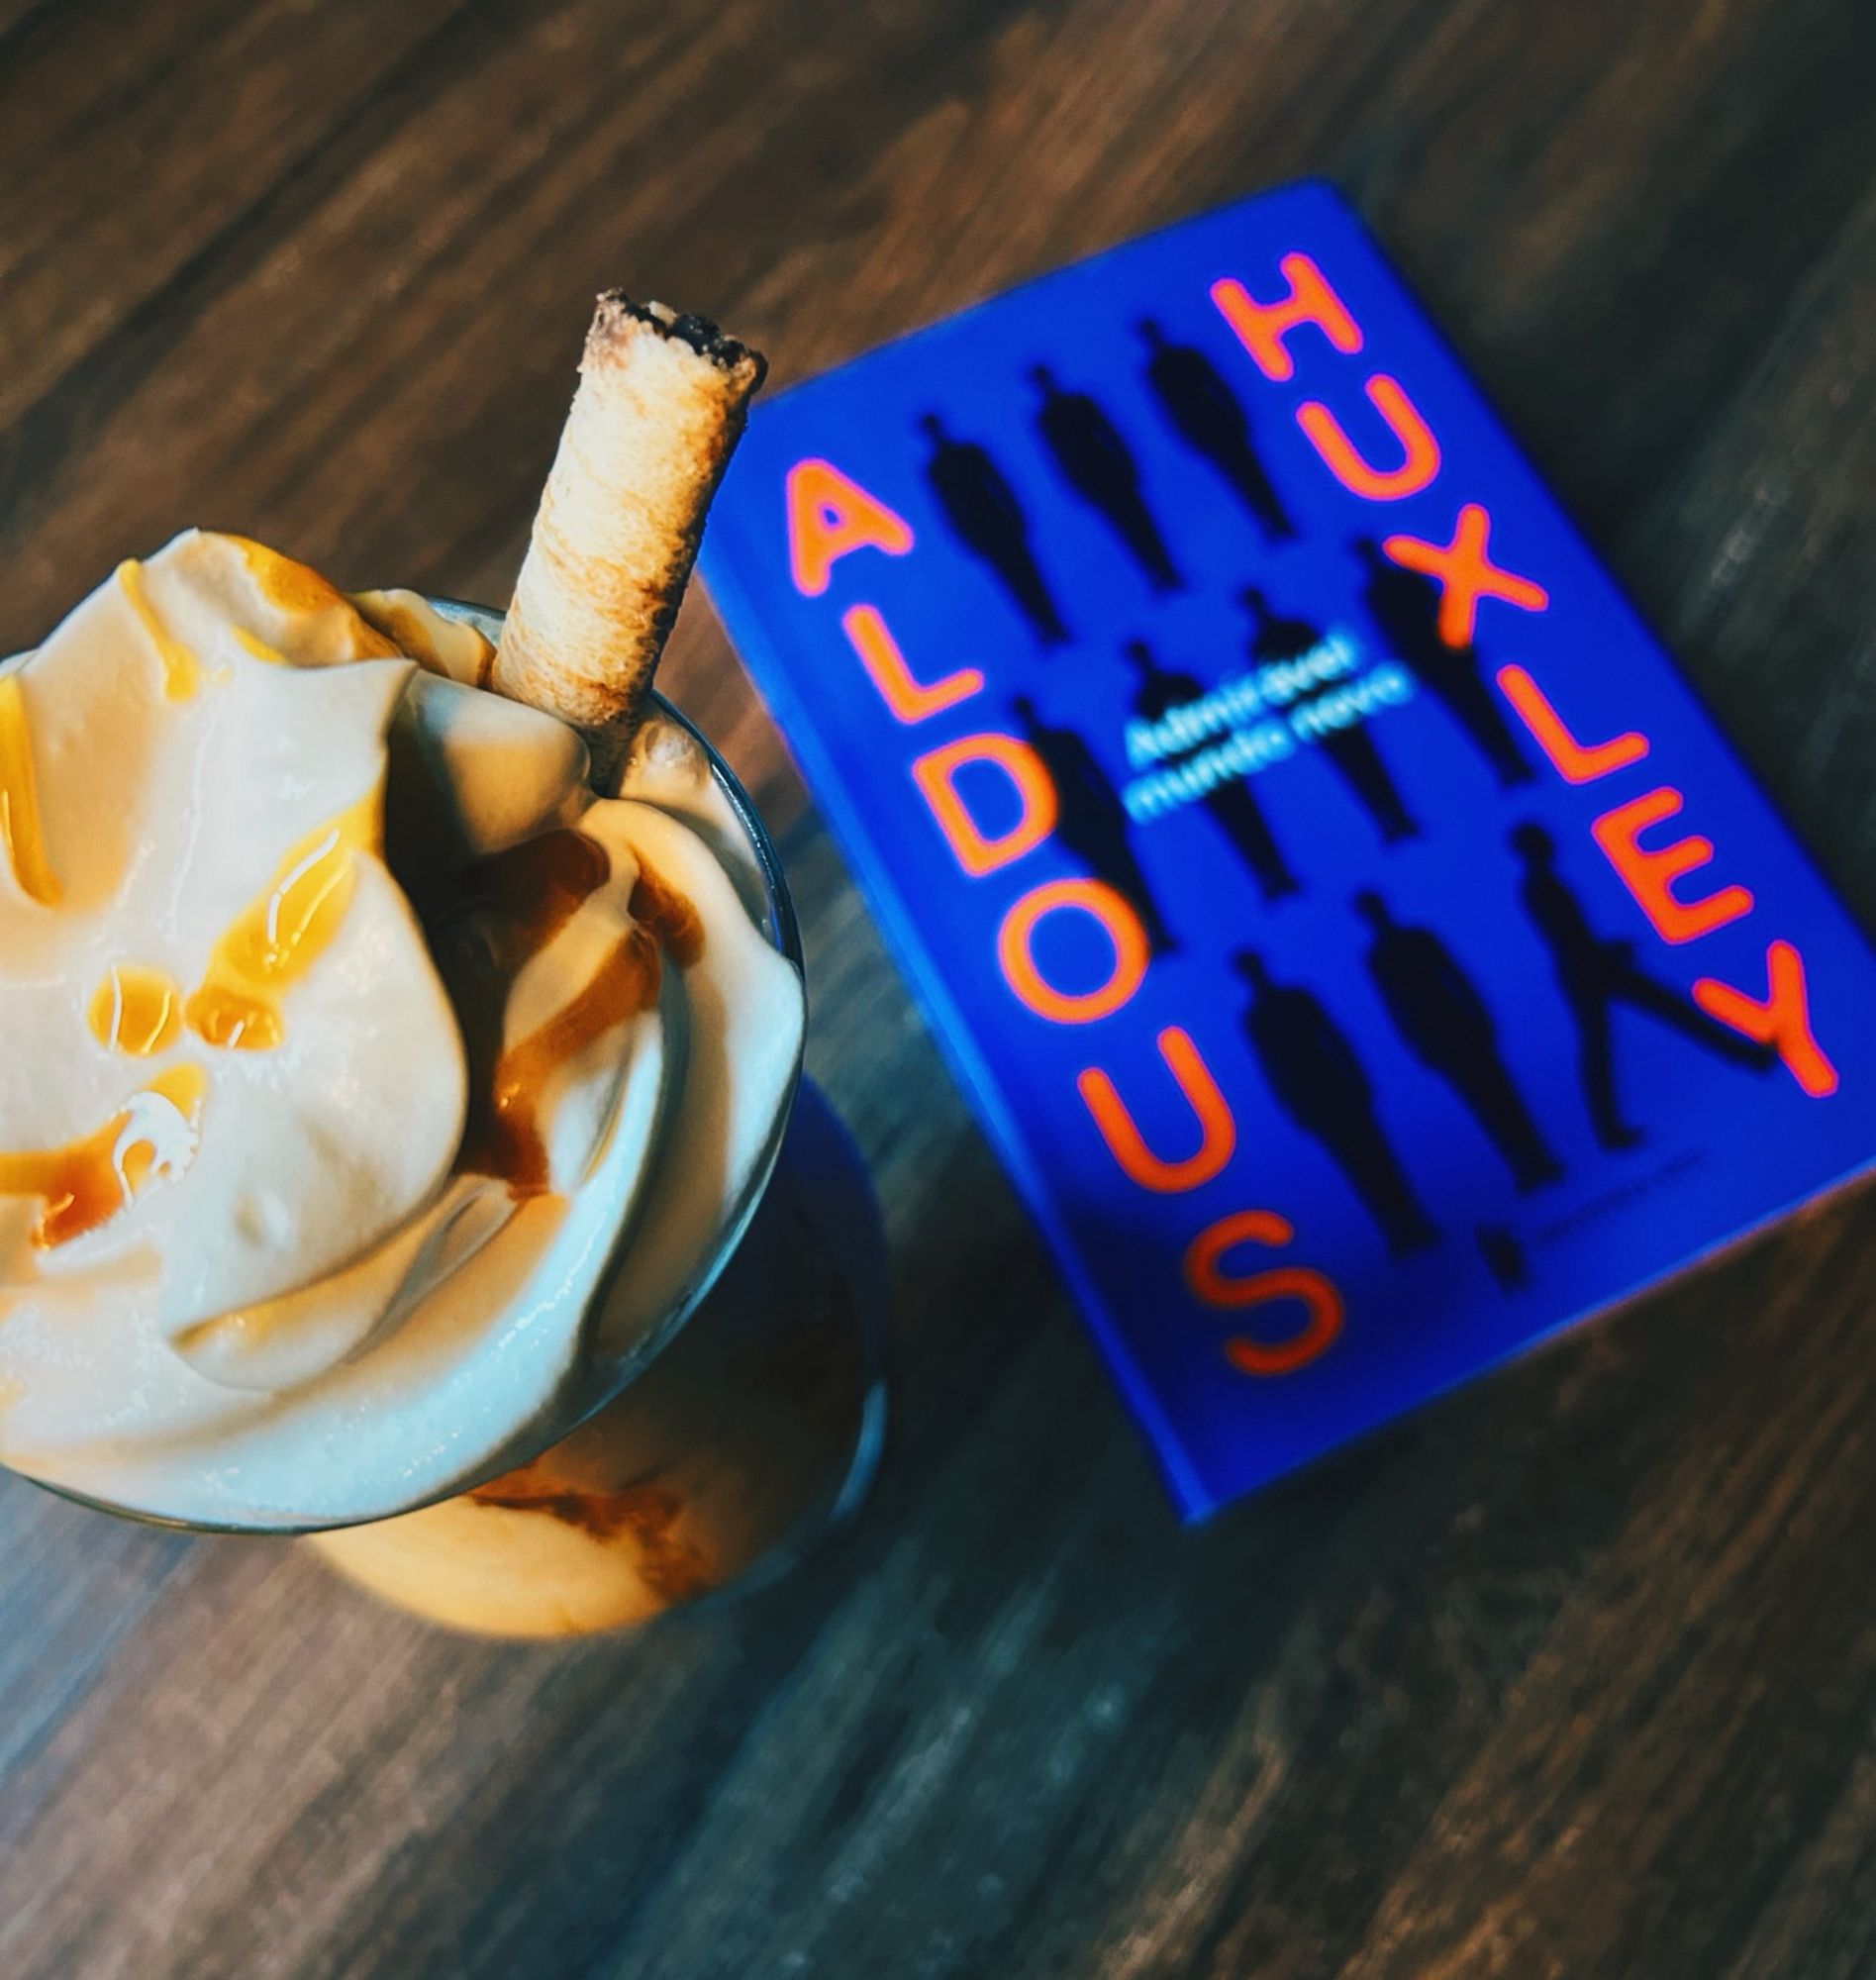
[
  {"x": 908, "y": 699},
  {"x": 1321, "y": 1302},
  {"x": 829, "y": 515},
  {"x": 976, "y": 851},
  {"x": 1217, "y": 1130},
  {"x": 1262, "y": 326},
  {"x": 1650, "y": 876},
  {"x": 1117, "y": 919},
  {"x": 1781, "y": 1021},
  {"x": 1420, "y": 451},
  {"x": 1466, "y": 574},
  {"x": 1576, "y": 762}
]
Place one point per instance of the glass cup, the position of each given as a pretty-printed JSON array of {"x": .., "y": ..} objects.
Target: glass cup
[
  {"x": 718, "y": 1459},
  {"x": 739, "y": 1429}
]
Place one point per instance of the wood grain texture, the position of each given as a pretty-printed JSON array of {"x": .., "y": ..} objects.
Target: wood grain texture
[{"x": 1572, "y": 1675}]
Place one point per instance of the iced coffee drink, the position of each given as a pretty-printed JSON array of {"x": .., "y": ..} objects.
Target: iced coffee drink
[{"x": 399, "y": 1026}]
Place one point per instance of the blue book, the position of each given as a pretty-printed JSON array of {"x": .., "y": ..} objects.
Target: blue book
[{"x": 1360, "y": 946}]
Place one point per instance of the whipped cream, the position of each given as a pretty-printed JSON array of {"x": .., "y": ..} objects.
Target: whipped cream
[{"x": 369, "y": 1089}]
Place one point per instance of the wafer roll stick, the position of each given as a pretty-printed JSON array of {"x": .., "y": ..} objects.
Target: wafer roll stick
[{"x": 661, "y": 403}]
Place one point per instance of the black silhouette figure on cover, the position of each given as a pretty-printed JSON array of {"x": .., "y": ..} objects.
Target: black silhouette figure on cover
[
  {"x": 1204, "y": 411},
  {"x": 1093, "y": 460},
  {"x": 1446, "y": 1025},
  {"x": 982, "y": 512},
  {"x": 1405, "y": 604},
  {"x": 1352, "y": 751},
  {"x": 1504, "y": 1257},
  {"x": 1091, "y": 821},
  {"x": 1230, "y": 805},
  {"x": 1316, "y": 1078},
  {"x": 1594, "y": 972}
]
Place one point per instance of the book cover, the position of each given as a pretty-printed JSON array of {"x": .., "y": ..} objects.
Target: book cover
[{"x": 1362, "y": 949}]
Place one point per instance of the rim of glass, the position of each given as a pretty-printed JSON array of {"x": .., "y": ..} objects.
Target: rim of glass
[{"x": 611, "y": 1379}]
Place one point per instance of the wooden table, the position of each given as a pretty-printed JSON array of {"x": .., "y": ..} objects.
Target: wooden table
[{"x": 1572, "y": 1675}]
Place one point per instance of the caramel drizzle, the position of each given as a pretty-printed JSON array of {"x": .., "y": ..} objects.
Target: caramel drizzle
[
  {"x": 649, "y": 1516},
  {"x": 89, "y": 1181},
  {"x": 182, "y": 671},
  {"x": 278, "y": 937},
  {"x": 512, "y": 907},
  {"x": 623, "y": 986},
  {"x": 21, "y": 835},
  {"x": 258, "y": 650},
  {"x": 135, "y": 1011},
  {"x": 298, "y": 588},
  {"x": 673, "y": 917}
]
